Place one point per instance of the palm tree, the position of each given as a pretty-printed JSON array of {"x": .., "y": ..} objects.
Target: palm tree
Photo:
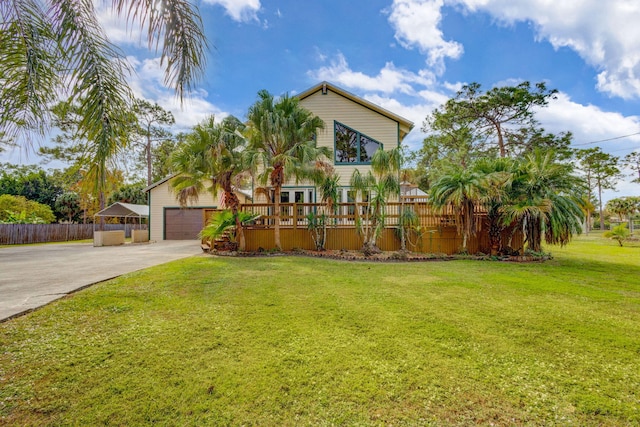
[
  {"x": 623, "y": 207},
  {"x": 226, "y": 222},
  {"x": 327, "y": 185},
  {"x": 462, "y": 190},
  {"x": 498, "y": 176},
  {"x": 212, "y": 153},
  {"x": 620, "y": 233},
  {"x": 57, "y": 47},
  {"x": 544, "y": 201},
  {"x": 282, "y": 135},
  {"x": 376, "y": 186}
]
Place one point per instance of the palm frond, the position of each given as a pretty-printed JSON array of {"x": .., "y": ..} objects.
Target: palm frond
[
  {"x": 29, "y": 68},
  {"x": 98, "y": 78},
  {"x": 178, "y": 25}
]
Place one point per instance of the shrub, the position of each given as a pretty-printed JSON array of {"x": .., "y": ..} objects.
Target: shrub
[
  {"x": 620, "y": 233},
  {"x": 19, "y": 210}
]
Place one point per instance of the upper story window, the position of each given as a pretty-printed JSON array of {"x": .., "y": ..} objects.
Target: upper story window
[{"x": 353, "y": 146}]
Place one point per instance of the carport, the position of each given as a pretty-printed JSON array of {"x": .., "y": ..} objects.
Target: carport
[{"x": 117, "y": 237}]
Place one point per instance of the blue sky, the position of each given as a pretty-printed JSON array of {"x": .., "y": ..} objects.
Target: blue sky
[{"x": 410, "y": 56}]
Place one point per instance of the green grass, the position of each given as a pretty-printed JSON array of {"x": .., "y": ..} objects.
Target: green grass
[{"x": 300, "y": 341}]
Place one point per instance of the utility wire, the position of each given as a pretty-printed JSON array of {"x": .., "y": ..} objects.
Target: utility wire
[{"x": 608, "y": 139}]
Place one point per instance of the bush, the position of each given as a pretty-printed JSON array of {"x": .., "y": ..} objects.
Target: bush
[
  {"x": 19, "y": 210},
  {"x": 620, "y": 233}
]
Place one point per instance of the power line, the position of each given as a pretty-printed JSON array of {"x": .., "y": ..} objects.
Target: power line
[
  {"x": 623, "y": 149},
  {"x": 608, "y": 139}
]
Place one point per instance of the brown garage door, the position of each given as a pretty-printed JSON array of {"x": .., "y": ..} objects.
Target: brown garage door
[{"x": 182, "y": 224}]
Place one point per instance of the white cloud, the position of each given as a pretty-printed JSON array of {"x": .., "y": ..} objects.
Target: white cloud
[
  {"x": 589, "y": 123},
  {"x": 193, "y": 111},
  {"x": 116, "y": 28},
  {"x": 239, "y": 10},
  {"x": 605, "y": 34},
  {"x": 414, "y": 112},
  {"x": 147, "y": 83},
  {"x": 408, "y": 94},
  {"x": 416, "y": 23},
  {"x": 389, "y": 79}
]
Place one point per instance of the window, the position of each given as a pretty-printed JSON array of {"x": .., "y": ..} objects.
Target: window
[
  {"x": 299, "y": 196},
  {"x": 284, "y": 210},
  {"x": 348, "y": 196},
  {"x": 353, "y": 146}
]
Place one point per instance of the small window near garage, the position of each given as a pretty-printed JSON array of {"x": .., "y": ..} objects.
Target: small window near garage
[{"x": 352, "y": 146}]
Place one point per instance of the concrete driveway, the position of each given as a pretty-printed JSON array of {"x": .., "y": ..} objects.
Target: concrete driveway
[{"x": 32, "y": 276}]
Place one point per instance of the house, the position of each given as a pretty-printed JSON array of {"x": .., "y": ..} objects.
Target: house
[
  {"x": 354, "y": 129},
  {"x": 411, "y": 193},
  {"x": 169, "y": 221}
]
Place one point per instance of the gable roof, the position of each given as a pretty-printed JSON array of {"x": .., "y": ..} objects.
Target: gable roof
[
  {"x": 157, "y": 183},
  {"x": 119, "y": 209},
  {"x": 404, "y": 125},
  {"x": 243, "y": 191}
]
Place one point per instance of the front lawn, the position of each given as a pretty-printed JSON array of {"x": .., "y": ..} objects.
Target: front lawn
[{"x": 303, "y": 341}]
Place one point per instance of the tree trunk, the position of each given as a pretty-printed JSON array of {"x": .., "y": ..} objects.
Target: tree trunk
[
  {"x": 503, "y": 152},
  {"x": 535, "y": 239},
  {"x": 324, "y": 218},
  {"x": 495, "y": 238},
  {"x": 101, "y": 228},
  {"x": 370, "y": 246},
  {"x": 403, "y": 239},
  {"x": 148, "y": 153},
  {"x": 276, "y": 227},
  {"x": 600, "y": 206},
  {"x": 232, "y": 203},
  {"x": 588, "y": 219}
]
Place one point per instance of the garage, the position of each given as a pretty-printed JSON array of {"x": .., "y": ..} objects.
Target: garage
[
  {"x": 183, "y": 223},
  {"x": 168, "y": 221}
]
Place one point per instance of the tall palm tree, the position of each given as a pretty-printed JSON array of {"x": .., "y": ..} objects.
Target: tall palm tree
[
  {"x": 497, "y": 176},
  {"x": 377, "y": 185},
  {"x": 544, "y": 201},
  {"x": 213, "y": 153},
  {"x": 327, "y": 183},
  {"x": 462, "y": 190},
  {"x": 282, "y": 136},
  {"x": 53, "y": 48}
]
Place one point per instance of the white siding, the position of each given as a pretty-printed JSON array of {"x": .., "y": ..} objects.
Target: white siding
[{"x": 162, "y": 197}]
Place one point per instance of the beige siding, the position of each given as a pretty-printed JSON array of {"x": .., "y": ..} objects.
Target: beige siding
[
  {"x": 162, "y": 197},
  {"x": 334, "y": 107}
]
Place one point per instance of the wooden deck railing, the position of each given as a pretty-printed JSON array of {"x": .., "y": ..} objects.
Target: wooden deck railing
[
  {"x": 295, "y": 215},
  {"x": 436, "y": 233}
]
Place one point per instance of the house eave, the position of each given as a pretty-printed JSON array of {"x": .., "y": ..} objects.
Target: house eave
[{"x": 404, "y": 125}]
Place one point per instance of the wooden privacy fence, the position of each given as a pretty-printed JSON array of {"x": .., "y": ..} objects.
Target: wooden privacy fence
[
  {"x": 435, "y": 233},
  {"x": 17, "y": 234}
]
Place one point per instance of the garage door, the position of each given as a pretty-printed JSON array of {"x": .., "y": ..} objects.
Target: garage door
[{"x": 182, "y": 224}]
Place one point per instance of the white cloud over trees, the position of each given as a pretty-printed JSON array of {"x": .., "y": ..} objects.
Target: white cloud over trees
[{"x": 605, "y": 34}]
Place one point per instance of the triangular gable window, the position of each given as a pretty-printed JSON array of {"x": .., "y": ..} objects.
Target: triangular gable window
[{"x": 352, "y": 146}]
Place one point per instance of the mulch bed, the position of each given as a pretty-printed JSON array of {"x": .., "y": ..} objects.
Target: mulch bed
[{"x": 397, "y": 256}]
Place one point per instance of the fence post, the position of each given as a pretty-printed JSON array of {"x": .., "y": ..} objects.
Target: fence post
[{"x": 295, "y": 216}]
